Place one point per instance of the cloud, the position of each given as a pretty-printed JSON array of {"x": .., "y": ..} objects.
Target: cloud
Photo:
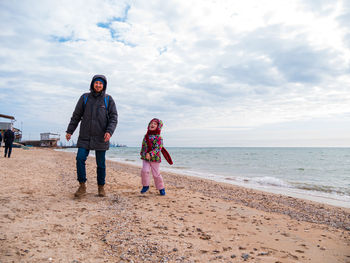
[{"x": 198, "y": 65}]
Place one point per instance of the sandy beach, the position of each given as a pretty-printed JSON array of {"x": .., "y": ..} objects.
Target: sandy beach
[{"x": 197, "y": 221}]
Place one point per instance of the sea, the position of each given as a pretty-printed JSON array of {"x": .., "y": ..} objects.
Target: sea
[{"x": 317, "y": 174}]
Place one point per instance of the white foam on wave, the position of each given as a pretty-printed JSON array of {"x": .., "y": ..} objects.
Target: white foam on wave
[
  {"x": 272, "y": 185},
  {"x": 270, "y": 181}
]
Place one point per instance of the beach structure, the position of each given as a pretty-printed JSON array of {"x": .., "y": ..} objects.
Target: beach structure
[
  {"x": 9, "y": 125},
  {"x": 47, "y": 139}
]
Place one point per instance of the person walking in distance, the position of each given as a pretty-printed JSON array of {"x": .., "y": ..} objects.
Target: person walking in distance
[
  {"x": 9, "y": 137},
  {"x": 97, "y": 113}
]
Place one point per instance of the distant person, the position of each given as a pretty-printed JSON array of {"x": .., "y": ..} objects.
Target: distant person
[
  {"x": 9, "y": 137},
  {"x": 151, "y": 149},
  {"x": 99, "y": 117},
  {"x": 0, "y": 139}
]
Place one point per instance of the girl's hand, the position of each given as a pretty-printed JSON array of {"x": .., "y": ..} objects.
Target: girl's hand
[{"x": 148, "y": 156}]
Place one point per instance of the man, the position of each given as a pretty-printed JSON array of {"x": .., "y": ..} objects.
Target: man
[
  {"x": 9, "y": 137},
  {"x": 99, "y": 117}
]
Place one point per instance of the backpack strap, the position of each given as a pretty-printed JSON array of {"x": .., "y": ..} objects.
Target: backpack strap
[
  {"x": 106, "y": 101},
  {"x": 85, "y": 99},
  {"x": 106, "y": 104}
]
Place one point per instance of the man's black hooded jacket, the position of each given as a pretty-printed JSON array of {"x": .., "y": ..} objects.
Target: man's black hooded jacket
[{"x": 95, "y": 119}]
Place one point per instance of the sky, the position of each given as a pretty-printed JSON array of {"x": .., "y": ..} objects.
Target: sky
[{"x": 218, "y": 73}]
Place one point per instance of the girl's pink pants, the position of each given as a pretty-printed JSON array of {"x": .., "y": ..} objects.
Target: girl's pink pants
[{"x": 145, "y": 178}]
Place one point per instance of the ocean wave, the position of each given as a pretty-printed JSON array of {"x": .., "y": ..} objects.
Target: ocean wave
[
  {"x": 323, "y": 194},
  {"x": 322, "y": 188},
  {"x": 268, "y": 180},
  {"x": 308, "y": 187}
]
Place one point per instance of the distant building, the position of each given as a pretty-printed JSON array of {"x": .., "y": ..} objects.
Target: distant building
[
  {"x": 5, "y": 126},
  {"x": 49, "y": 139},
  {"x": 9, "y": 125}
]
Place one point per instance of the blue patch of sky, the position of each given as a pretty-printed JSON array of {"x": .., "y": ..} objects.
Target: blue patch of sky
[
  {"x": 114, "y": 33},
  {"x": 61, "y": 39},
  {"x": 161, "y": 50}
]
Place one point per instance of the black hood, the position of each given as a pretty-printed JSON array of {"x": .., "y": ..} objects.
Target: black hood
[{"x": 93, "y": 80}]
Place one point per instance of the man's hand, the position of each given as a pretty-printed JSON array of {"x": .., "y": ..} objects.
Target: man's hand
[
  {"x": 107, "y": 136},
  {"x": 68, "y": 136},
  {"x": 148, "y": 156}
]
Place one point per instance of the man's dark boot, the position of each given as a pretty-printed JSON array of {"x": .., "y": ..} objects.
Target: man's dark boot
[
  {"x": 101, "y": 191},
  {"x": 81, "y": 190}
]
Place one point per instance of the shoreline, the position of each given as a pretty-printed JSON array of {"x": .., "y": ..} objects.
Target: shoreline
[
  {"x": 283, "y": 204},
  {"x": 321, "y": 212},
  {"x": 314, "y": 196},
  {"x": 197, "y": 221}
]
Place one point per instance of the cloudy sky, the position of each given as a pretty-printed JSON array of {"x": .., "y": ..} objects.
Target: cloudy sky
[{"x": 218, "y": 73}]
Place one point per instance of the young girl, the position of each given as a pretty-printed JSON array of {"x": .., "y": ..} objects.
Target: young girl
[{"x": 152, "y": 145}]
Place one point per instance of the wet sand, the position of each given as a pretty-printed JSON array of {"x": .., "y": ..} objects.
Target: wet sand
[{"x": 197, "y": 221}]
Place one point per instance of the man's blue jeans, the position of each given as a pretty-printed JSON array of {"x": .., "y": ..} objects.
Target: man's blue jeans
[{"x": 100, "y": 161}]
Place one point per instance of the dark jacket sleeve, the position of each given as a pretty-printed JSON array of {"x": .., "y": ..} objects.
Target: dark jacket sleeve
[
  {"x": 76, "y": 117},
  {"x": 112, "y": 116}
]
